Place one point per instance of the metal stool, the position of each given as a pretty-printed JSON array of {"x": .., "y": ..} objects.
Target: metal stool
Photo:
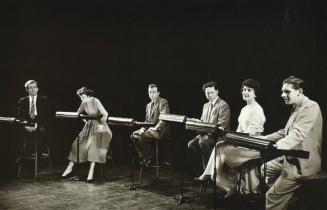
[
  {"x": 34, "y": 156},
  {"x": 255, "y": 163},
  {"x": 157, "y": 163}
]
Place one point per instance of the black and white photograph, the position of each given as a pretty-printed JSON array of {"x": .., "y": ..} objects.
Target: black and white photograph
[{"x": 163, "y": 105}]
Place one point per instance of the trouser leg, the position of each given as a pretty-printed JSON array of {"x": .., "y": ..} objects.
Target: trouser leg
[
  {"x": 206, "y": 148},
  {"x": 281, "y": 192},
  {"x": 143, "y": 144},
  {"x": 273, "y": 170}
]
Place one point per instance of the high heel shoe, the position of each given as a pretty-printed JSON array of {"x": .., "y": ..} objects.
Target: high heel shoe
[
  {"x": 89, "y": 180},
  {"x": 68, "y": 176}
]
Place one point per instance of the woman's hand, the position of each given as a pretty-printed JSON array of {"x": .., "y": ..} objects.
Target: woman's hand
[{"x": 103, "y": 120}]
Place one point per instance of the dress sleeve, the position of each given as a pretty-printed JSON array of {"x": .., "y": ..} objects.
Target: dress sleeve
[
  {"x": 256, "y": 122},
  {"x": 102, "y": 110},
  {"x": 81, "y": 108}
]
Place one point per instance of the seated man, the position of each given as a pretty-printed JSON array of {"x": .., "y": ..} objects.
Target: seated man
[
  {"x": 303, "y": 131},
  {"x": 143, "y": 138},
  {"x": 32, "y": 108},
  {"x": 215, "y": 111}
]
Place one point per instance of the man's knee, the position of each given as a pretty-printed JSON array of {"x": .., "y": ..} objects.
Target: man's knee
[
  {"x": 207, "y": 145},
  {"x": 193, "y": 144},
  {"x": 136, "y": 135}
]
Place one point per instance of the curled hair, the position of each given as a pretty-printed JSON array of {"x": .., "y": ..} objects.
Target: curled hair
[
  {"x": 209, "y": 84},
  {"x": 29, "y": 82},
  {"x": 295, "y": 81},
  {"x": 84, "y": 90},
  {"x": 153, "y": 86},
  {"x": 252, "y": 83}
]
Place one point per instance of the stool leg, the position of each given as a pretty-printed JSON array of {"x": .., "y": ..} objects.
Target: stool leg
[
  {"x": 49, "y": 157},
  {"x": 111, "y": 159},
  {"x": 141, "y": 175},
  {"x": 157, "y": 161},
  {"x": 19, "y": 170},
  {"x": 20, "y": 165},
  {"x": 36, "y": 159}
]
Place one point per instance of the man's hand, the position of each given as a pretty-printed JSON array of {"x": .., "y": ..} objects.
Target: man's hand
[
  {"x": 142, "y": 130},
  {"x": 194, "y": 119}
]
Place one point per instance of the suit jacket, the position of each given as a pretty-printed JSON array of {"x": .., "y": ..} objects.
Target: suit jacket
[
  {"x": 220, "y": 113},
  {"x": 152, "y": 115},
  {"x": 41, "y": 107},
  {"x": 303, "y": 131}
]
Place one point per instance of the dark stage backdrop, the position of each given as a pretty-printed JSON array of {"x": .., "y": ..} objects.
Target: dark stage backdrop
[{"x": 118, "y": 47}]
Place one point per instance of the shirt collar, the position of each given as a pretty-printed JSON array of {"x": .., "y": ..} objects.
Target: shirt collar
[
  {"x": 32, "y": 97},
  {"x": 304, "y": 99},
  {"x": 214, "y": 101},
  {"x": 155, "y": 101}
]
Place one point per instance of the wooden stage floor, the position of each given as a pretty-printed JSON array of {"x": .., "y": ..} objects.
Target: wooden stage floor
[{"x": 49, "y": 192}]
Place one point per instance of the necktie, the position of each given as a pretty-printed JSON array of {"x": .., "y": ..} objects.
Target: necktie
[
  {"x": 32, "y": 109},
  {"x": 151, "y": 107}
]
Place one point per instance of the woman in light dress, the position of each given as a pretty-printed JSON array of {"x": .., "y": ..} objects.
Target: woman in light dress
[{"x": 95, "y": 137}]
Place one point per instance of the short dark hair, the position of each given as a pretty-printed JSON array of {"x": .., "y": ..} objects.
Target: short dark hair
[
  {"x": 209, "y": 84},
  {"x": 295, "y": 81},
  {"x": 84, "y": 90},
  {"x": 29, "y": 82},
  {"x": 252, "y": 83},
  {"x": 153, "y": 86}
]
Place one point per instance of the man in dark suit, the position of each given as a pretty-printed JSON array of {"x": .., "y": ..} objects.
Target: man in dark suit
[
  {"x": 32, "y": 108},
  {"x": 143, "y": 138},
  {"x": 215, "y": 111}
]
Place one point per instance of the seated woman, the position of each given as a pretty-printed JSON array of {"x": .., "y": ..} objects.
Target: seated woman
[
  {"x": 95, "y": 137},
  {"x": 229, "y": 157}
]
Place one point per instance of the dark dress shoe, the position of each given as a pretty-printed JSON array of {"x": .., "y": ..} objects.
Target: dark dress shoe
[
  {"x": 89, "y": 180},
  {"x": 143, "y": 162},
  {"x": 150, "y": 164}
]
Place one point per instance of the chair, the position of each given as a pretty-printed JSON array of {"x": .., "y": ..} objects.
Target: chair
[
  {"x": 35, "y": 155},
  {"x": 157, "y": 164}
]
